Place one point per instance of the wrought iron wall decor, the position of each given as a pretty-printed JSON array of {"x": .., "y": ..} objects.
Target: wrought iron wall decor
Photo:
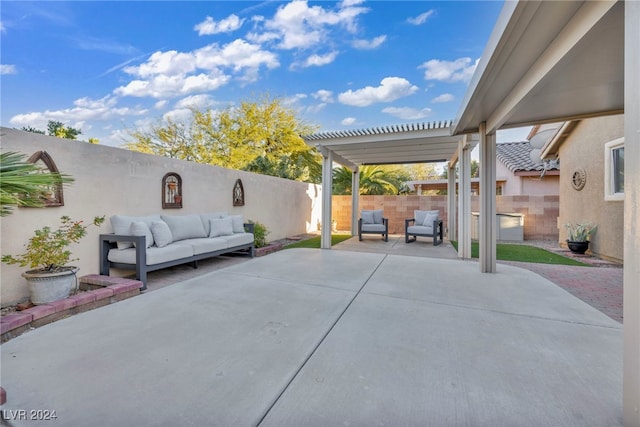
[
  {"x": 54, "y": 197},
  {"x": 171, "y": 191},
  {"x": 238, "y": 193}
]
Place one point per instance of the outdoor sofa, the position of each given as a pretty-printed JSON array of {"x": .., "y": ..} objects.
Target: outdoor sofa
[
  {"x": 154, "y": 242},
  {"x": 425, "y": 224},
  {"x": 372, "y": 222}
]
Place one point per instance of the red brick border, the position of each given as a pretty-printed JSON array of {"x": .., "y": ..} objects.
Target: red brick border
[{"x": 116, "y": 289}]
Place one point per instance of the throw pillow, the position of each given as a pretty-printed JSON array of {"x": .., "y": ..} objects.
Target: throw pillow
[
  {"x": 161, "y": 233},
  {"x": 221, "y": 227},
  {"x": 367, "y": 217},
  {"x": 238, "y": 223},
  {"x": 429, "y": 218},
  {"x": 140, "y": 228}
]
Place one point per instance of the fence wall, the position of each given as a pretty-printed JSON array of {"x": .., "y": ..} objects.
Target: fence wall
[
  {"x": 111, "y": 181},
  {"x": 540, "y": 221}
]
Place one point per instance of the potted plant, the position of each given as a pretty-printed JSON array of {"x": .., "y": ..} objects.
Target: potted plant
[
  {"x": 47, "y": 254},
  {"x": 579, "y": 235}
]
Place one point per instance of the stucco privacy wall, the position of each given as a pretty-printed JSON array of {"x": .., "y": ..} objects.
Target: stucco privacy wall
[
  {"x": 540, "y": 223},
  {"x": 111, "y": 181},
  {"x": 584, "y": 148}
]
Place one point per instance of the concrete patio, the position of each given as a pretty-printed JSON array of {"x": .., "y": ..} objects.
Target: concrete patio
[{"x": 308, "y": 337}]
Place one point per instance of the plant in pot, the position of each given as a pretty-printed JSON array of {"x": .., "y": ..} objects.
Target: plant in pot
[
  {"x": 579, "y": 235},
  {"x": 47, "y": 254}
]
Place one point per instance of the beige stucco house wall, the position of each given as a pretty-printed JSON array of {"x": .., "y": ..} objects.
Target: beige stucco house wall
[
  {"x": 585, "y": 148},
  {"x": 533, "y": 185},
  {"x": 111, "y": 181}
]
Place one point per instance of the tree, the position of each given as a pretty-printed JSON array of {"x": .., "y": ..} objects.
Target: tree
[
  {"x": 261, "y": 136},
  {"x": 58, "y": 129},
  {"x": 374, "y": 179},
  {"x": 23, "y": 183},
  {"x": 475, "y": 170}
]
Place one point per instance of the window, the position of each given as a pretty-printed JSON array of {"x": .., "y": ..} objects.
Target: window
[{"x": 614, "y": 170}]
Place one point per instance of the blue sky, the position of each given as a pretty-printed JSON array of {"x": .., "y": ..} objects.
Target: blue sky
[{"x": 109, "y": 67}]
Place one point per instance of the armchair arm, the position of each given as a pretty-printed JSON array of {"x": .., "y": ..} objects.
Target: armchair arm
[{"x": 249, "y": 227}]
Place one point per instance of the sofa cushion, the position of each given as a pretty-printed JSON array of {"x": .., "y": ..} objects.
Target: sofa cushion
[
  {"x": 208, "y": 244},
  {"x": 155, "y": 255},
  {"x": 140, "y": 228},
  {"x": 367, "y": 217},
  {"x": 377, "y": 216},
  {"x": 212, "y": 215},
  {"x": 238, "y": 239},
  {"x": 238, "y": 223},
  {"x": 184, "y": 226},
  {"x": 161, "y": 233},
  {"x": 121, "y": 224},
  {"x": 221, "y": 227}
]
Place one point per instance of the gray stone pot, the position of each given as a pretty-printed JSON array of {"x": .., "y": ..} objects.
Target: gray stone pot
[{"x": 47, "y": 287}]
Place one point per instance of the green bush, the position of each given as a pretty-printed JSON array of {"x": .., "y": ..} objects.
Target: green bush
[{"x": 260, "y": 233}]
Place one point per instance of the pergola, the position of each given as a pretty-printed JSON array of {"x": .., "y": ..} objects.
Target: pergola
[
  {"x": 550, "y": 62},
  {"x": 412, "y": 143}
]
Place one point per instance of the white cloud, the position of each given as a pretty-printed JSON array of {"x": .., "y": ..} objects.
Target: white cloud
[
  {"x": 8, "y": 69},
  {"x": 422, "y": 18},
  {"x": 390, "y": 89},
  {"x": 348, "y": 121},
  {"x": 407, "y": 113},
  {"x": 445, "y": 97},
  {"x": 323, "y": 95},
  {"x": 162, "y": 86},
  {"x": 160, "y": 104},
  {"x": 291, "y": 101},
  {"x": 3, "y": 29},
  {"x": 300, "y": 26},
  {"x": 227, "y": 25},
  {"x": 317, "y": 60},
  {"x": 198, "y": 101},
  {"x": 449, "y": 71},
  {"x": 369, "y": 44},
  {"x": 170, "y": 63},
  {"x": 85, "y": 109},
  {"x": 236, "y": 55}
]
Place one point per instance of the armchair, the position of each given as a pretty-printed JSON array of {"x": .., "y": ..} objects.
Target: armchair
[
  {"x": 425, "y": 224},
  {"x": 372, "y": 222}
]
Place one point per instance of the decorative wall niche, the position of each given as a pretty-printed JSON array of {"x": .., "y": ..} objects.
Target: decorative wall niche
[
  {"x": 238, "y": 193},
  {"x": 55, "y": 197},
  {"x": 172, "y": 191}
]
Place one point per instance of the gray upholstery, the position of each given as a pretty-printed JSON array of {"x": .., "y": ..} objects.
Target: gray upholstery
[
  {"x": 373, "y": 222},
  {"x": 424, "y": 224}
]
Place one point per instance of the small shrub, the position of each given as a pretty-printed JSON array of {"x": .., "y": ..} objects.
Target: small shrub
[
  {"x": 580, "y": 232},
  {"x": 260, "y": 233}
]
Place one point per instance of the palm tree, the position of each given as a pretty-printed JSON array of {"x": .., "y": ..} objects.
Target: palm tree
[
  {"x": 374, "y": 180},
  {"x": 23, "y": 183}
]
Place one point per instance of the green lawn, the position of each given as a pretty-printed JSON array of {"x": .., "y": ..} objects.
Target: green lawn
[
  {"x": 525, "y": 253},
  {"x": 314, "y": 242}
]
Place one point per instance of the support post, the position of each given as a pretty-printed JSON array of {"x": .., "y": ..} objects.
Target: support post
[
  {"x": 451, "y": 202},
  {"x": 464, "y": 202},
  {"x": 487, "y": 234},
  {"x": 327, "y": 184},
  {"x": 631, "y": 289},
  {"x": 355, "y": 199}
]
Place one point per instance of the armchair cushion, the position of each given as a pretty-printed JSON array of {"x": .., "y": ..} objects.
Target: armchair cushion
[
  {"x": 371, "y": 216},
  {"x": 429, "y": 218},
  {"x": 374, "y": 228},
  {"x": 419, "y": 216},
  {"x": 367, "y": 217},
  {"x": 140, "y": 228}
]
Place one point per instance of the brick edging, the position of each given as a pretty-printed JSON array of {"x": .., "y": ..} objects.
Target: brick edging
[{"x": 115, "y": 289}]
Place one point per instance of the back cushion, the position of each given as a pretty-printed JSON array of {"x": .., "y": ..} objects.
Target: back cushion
[
  {"x": 420, "y": 215},
  {"x": 184, "y": 226},
  {"x": 121, "y": 224},
  {"x": 367, "y": 217},
  {"x": 377, "y": 216}
]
